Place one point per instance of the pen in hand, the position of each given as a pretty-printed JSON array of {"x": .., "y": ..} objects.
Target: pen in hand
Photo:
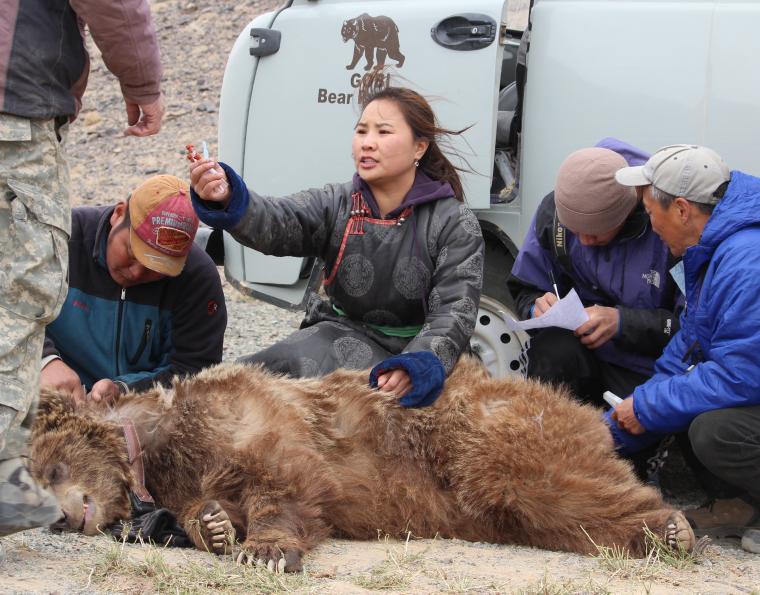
[{"x": 554, "y": 283}]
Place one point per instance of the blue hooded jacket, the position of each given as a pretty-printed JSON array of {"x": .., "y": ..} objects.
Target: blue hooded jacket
[{"x": 720, "y": 327}]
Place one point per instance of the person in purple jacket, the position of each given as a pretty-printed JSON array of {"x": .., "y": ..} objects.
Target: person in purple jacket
[{"x": 592, "y": 235}]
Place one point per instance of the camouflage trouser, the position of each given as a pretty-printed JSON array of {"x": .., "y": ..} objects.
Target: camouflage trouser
[{"x": 35, "y": 223}]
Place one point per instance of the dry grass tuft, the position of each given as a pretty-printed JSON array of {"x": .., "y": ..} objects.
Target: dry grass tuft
[
  {"x": 458, "y": 582},
  {"x": 568, "y": 587},
  {"x": 217, "y": 574},
  {"x": 659, "y": 552},
  {"x": 659, "y": 558},
  {"x": 397, "y": 571}
]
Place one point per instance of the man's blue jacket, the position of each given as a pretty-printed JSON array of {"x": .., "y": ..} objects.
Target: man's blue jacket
[
  {"x": 139, "y": 335},
  {"x": 720, "y": 327}
]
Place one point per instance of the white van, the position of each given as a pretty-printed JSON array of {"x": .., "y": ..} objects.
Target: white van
[{"x": 650, "y": 72}]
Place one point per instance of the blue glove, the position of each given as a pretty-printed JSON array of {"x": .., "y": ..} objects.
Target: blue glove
[
  {"x": 210, "y": 212},
  {"x": 425, "y": 371}
]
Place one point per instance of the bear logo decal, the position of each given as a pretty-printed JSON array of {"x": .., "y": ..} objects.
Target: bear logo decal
[{"x": 375, "y": 37}]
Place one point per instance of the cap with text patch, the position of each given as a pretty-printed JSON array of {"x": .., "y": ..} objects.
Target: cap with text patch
[
  {"x": 163, "y": 224},
  {"x": 689, "y": 171}
]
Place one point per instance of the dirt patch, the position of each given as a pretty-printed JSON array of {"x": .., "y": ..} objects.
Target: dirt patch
[{"x": 39, "y": 562}]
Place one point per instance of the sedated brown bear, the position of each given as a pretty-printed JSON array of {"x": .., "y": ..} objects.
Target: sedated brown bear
[{"x": 284, "y": 463}]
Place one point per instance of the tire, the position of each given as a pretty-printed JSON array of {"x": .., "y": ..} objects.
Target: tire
[{"x": 501, "y": 350}]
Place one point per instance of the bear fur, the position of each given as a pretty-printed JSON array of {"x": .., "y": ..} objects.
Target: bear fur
[{"x": 284, "y": 463}]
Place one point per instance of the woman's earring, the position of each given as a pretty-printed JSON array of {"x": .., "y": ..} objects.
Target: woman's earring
[{"x": 416, "y": 163}]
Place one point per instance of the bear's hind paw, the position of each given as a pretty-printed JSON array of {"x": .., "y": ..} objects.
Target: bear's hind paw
[
  {"x": 270, "y": 557},
  {"x": 678, "y": 533}
]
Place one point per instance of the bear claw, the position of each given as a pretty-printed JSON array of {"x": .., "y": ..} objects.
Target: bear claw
[
  {"x": 217, "y": 529},
  {"x": 270, "y": 558},
  {"x": 679, "y": 534}
]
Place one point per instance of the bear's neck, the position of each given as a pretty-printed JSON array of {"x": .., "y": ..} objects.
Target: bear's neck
[{"x": 147, "y": 414}]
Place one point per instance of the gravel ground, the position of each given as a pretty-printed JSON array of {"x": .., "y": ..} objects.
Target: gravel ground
[{"x": 253, "y": 324}]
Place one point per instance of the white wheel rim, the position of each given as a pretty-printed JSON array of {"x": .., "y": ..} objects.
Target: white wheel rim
[{"x": 501, "y": 350}]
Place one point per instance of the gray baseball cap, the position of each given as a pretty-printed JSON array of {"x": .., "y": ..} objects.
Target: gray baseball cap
[{"x": 690, "y": 171}]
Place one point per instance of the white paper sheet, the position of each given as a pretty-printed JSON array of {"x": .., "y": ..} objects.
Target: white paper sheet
[{"x": 566, "y": 313}]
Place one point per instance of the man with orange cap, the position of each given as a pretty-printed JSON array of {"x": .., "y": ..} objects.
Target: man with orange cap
[
  {"x": 592, "y": 235},
  {"x": 144, "y": 302}
]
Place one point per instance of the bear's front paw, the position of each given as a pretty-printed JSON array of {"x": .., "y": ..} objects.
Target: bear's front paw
[
  {"x": 215, "y": 530},
  {"x": 271, "y": 557}
]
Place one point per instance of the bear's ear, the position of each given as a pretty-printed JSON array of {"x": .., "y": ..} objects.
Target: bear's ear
[
  {"x": 53, "y": 407},
  {"x": 56, "y": 473}
]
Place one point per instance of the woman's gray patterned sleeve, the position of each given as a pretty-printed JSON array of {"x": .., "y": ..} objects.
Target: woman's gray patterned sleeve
[
  {"x": 294, "y": 225},
  {"x": 455, "y": 286}
]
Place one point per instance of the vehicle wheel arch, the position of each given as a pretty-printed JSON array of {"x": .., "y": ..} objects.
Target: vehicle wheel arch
[{"x": 501, "y": 350}]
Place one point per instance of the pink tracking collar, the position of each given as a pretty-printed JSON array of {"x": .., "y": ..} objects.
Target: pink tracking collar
[{"x": 134, "y": 452}]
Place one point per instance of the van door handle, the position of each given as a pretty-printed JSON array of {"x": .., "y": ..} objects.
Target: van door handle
[
  {"x": 264, "y": 42},
  {"x": 465, "y": 32}
]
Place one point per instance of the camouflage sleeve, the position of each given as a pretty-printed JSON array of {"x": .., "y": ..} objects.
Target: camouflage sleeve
[{"x": 455, "y": 287}]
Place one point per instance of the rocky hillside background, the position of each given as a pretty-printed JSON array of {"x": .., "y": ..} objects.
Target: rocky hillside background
[{"x": 195, "y": 39}]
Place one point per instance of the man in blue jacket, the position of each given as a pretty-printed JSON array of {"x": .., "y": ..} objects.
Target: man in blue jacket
[
  {"x": 707, "y": 381},
  {"x": 592, "y": 235},
  {"x": 144, "y": 302}
]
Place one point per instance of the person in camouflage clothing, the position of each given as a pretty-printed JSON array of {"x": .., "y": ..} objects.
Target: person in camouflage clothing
[
  {"x": 43, "y": 73},
  {"x": 403, "y": 256}
]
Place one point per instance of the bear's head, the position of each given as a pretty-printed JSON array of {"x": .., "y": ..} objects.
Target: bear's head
[
  {"x": 83, "y": 461},
  {"x": 349, "y": 30}
]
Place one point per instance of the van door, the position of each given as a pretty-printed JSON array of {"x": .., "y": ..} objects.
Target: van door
[{"x": 294, "y": 131}]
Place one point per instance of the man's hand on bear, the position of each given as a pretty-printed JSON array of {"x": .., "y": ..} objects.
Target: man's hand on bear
[
  {"x": 57, "y": 375},
  {"x": 104, "y": 391}
]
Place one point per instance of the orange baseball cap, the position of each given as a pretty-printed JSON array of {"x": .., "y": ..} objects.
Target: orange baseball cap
[{"x": 163, "y": 224}]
